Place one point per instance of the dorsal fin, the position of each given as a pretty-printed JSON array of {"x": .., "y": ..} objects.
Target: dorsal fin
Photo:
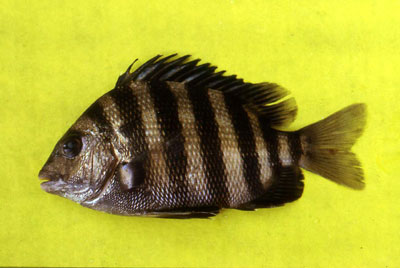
[{"x": 265, "y": 99}]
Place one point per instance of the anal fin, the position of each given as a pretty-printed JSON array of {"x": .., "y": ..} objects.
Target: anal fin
[
  {"x": 287, "y": 187},
  {"x": 186, "y": 213}
]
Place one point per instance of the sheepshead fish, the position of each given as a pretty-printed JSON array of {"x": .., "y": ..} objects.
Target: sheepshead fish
[{"x": 177, "y": 139}]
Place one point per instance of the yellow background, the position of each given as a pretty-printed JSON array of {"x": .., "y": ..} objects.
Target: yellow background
[{"x": 57, "y": 57}]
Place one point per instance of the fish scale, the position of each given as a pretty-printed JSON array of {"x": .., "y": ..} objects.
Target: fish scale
[{"x": 178, "y": 139}]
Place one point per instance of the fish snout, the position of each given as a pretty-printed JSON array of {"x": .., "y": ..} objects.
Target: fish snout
[
  {"x": 51, "y": 182},
  {"x": 45, "y": 175}
]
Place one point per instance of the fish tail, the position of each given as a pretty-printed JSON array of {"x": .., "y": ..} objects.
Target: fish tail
[{"x": 326, "y": 146}]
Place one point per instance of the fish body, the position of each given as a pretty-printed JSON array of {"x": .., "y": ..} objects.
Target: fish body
[{"x": 177, "y": 139}]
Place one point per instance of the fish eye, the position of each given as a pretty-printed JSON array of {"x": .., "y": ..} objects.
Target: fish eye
[{"x": 72, "y": 147}]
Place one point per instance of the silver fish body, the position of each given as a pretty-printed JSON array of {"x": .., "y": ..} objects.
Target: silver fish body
[{"x": 177, "y": 139}]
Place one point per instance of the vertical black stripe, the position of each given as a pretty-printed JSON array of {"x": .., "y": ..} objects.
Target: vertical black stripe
[
  {"x": 210, "y": 145},
  {"x": 166, "y": 109},
  {"x": 294, "y": 146},
  {"x": 131, "y": 116},
  {"x": 271, "y": 139},
  {"x": 96, "y": 113},
  {"x": 247, "y": 145}
]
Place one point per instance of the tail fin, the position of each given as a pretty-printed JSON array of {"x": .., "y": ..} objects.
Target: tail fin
[{"x": 326, "y": 146}]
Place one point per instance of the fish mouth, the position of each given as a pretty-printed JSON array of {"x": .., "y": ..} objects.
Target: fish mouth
[
  {"x": 53, "y": 186},
  {"x": 51, "y": 183}
]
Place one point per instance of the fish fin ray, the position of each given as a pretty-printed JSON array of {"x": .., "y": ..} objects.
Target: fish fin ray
[
  {"x": 278, "y": 114},
  {"x": 186, "y": 213},
  {"x": 286, "y": 187},
  {"x": 327, "y": 143},
  {"x": 267, "y": 100}
]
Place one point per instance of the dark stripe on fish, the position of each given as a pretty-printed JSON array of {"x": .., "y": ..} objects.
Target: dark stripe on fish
[
  {"x": 271, "y": 139},
  {"x": 166, "y": 109},
  {"x": 294, "y": 146},
  {"x": 96, "y": 113},
  {"x": 247, "y": 145},
  {"x": 131, "y": 116},
  {"x": 210, "y": 145}
]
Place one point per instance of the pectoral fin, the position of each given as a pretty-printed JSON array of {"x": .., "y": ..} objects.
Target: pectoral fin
[{"x": 131, "y": 174}]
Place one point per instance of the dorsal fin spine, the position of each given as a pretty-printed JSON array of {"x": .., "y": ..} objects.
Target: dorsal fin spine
[
  {"x": 134, "y": 75},
  {"x": 168, "y": 65},
  {"x": 265, "y": 99},
  {"x": 182, "y": 75},
  {"x": 196, "y": 69},
  {"x": 151, "y": 69},
  {"x": 176, "y": 71},
  {"x": 197, "y": 76},
  {"x": 212, "y": 77},
  {"x": 229, "y": 85},
  {"x": 218, "y": 83}
]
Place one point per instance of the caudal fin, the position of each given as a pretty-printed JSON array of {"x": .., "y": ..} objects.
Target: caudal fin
[{"x": 326, "y": 146}]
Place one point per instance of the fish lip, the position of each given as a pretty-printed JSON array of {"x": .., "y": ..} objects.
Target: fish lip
[
  {"x": 51, "y": 182},
  {"x": 48, "y": 176},
  {"x": 45, "y": 180},
  {"x": 53, "y": 186}
]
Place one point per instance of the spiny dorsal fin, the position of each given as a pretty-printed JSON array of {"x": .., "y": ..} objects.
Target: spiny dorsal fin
[{"x": 265, "y": 99}]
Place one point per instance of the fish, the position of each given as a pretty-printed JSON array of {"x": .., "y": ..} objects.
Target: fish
[{"x": 179, "y": 139}]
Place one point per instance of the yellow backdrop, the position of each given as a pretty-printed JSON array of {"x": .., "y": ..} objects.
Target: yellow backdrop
[{"x": 57, "y": 57}]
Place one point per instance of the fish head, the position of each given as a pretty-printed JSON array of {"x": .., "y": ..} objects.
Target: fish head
[{"x": 82, "y": 160}]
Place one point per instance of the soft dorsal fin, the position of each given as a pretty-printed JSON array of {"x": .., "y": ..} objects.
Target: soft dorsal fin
[{"x": 265, "y": 99}]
